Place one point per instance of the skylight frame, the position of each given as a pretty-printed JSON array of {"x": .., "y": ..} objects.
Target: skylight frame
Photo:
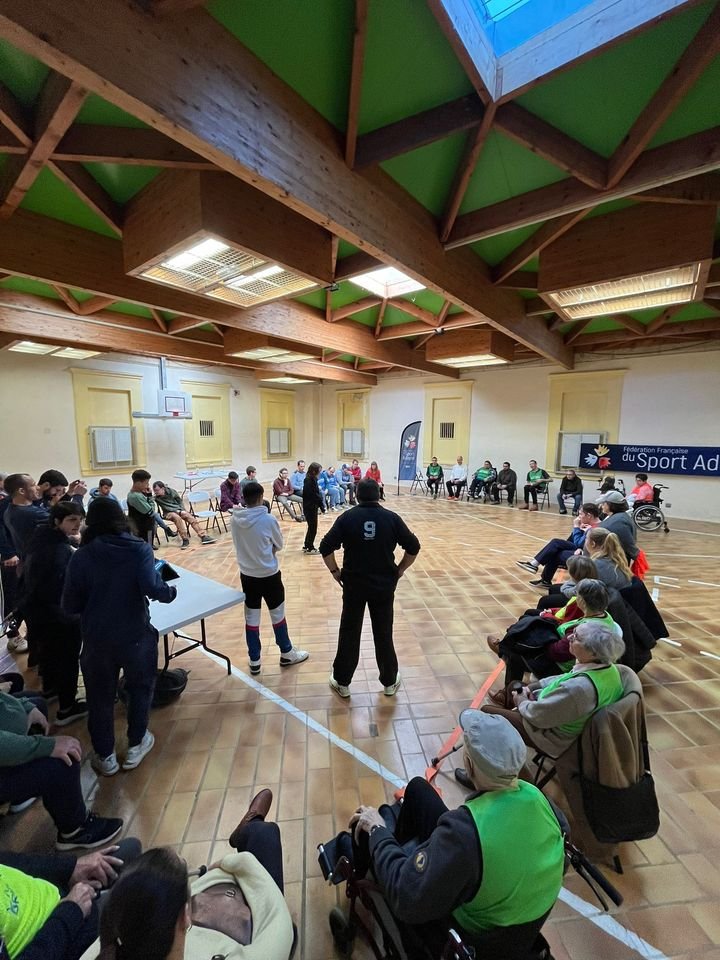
[{"x": 387, "y": 282}]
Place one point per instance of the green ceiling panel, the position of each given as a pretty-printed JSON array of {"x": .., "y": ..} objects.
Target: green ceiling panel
[
  {"x": 23, "y": 285},
  {"x": 427, "y": 173},
  {"x": 345, "y": 249},
  {"x": 367, "y": 317},
  {"x": 314, "y": 299},
  {"x": 394, "y": 317},
  {"x": 21, "y": 74},
  {"x": 97, "y": 110},
  {"x": 495, "y": 249},
  {"x": 80, "y": 295},
  {"x": 51, "y": 197},
  {"x": 615, "y": 85},
  {"x": 426, "y": 299},
  {"x": 700, "y": 109},
  {"x": 121, "y": 181},
  {"x": 409, "y": 65},
  {"x": 311, "y": 50},
  {"x": 504, "y": 170}
]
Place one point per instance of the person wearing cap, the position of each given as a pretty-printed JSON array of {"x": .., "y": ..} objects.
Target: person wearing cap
[
  {"x": 492, "y": 868},
  {"x": 368, "y": 535},
  {"x": 557, "y": 551},
  {"x": 618, "y": 520}
]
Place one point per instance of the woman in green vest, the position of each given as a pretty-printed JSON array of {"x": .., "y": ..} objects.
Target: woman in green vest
[
  {"x": 551, "y": 714},
  {"x": 434, "y": 476}
]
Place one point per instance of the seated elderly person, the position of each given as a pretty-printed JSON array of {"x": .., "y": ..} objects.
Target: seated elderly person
[
  {"x": 32, "y": 764},
  {"x": 457, "y": 480},
  {"x": 55, "y": 916},
  {"x": 492, "y": 868},
  {"x": 557, "y": 551},
  {"x": 541, "y": 643},
  {"x": 550, "y": 714},
  {"x": 173, "y": 509},
  {"x": 236, "y": 909}
]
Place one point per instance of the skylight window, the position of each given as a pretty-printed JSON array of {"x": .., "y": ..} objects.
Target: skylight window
[
  {"x": 47, "y": 349},
  {"x": 387, "y": 282}
]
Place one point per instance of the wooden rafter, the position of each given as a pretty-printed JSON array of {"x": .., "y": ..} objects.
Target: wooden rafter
[
  {"x": 669, "y": 331},
  {"x": 630, "y": 323},
  {"x": 699, "y": 54},
  {"x": 356, "y": 80},
  {"x": 693, "y": 155},
  {"x": 54, "y": 252},
  {"x": 181, "y": 324},
  {"x": 552, "y": 144},
  {"x": 341, "y": 313},
  {"x": 60, "y": 101},
  {"x": 456, "y": 322},
  {"x": 380, "y": 318},
  {"x": 9, "y": 144},
  {"x": 356, "y": 263},
  {"x": 330, "y": 356},
  {"x": 77, "y": 178},
  {"x": 15, "y": 117},
  {"x": 704, "y": 189},
  {"x": 217, "y": 119},
  {"x": 421, "y": 341},
  {"x": 94, "y": 305},
  {"x": 160, "y": 322},
  {"x": 67, "y": 298},
  {"x": 556, "y": 322},
  {"x": 520, "y": 280},
  {"x": 535, "y": 244},
  {"x": 465, "y": 169},
  {"x": 662, "y": 318},
  {"x": 413, "y": 310},
  {"x": 577, "y": 329},
  {"x": 537, "y": 307},
  {"x": 167, "y": 7},
  {"x": 419, "y": 130},
  {"x": 90, "y": 143}
]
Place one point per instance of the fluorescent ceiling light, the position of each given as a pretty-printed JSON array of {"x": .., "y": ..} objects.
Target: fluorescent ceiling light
[
  {"x": 208, "y": 248},
  {"x": 73, "y": 353},
  {"x": 27, "y": 346},
  {"x": 285, "y": 380},
  {"x": 273, "y": 354},
  {"x": 387, "y": 282},
  {"x": 677, "y": 285},
  {"x": 245, "y": 279},
  {"x": 478, "y": 360}
]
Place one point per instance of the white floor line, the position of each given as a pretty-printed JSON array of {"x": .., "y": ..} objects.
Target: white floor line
[
  {"x": 702, "y": 583},
  {"x": 610, "y": 926},
  {"x": 585, "y": 909},
  {"x": 673, "y": 643},
  {"x": 705, "y": 653},
  {"x": 655, "y": 594}
]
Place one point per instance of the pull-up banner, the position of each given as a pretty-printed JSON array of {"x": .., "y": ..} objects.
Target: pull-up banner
[
  {"x": 407, "y": 467},
  {"x": 684, "y": 461}
]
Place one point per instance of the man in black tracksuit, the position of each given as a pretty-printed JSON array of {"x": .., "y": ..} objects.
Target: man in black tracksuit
[{"x": 368, "y": 534}]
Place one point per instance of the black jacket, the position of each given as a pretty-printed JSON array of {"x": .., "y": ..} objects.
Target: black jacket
[
  {"x": 312, "y": 498},
  {"x": 369, "y": 534},
  {"x": 46, "y": 562},
  {"x": 568, "y": 486}
]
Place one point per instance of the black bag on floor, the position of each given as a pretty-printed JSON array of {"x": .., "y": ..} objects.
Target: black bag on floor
[
  {"x": 169, "y": 685},
  {"x": 621, "y": 814}
]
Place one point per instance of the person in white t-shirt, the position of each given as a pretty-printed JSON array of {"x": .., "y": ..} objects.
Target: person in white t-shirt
[{"x": 457, "y": 480}]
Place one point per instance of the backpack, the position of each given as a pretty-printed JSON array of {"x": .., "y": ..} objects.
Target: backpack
[{"x": 169, "y": 685}]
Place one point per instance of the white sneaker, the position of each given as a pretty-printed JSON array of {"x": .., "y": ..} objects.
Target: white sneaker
[
  {"x": 339, "y": 688},
  {"x": 17, "y": 645},
  {"x": 293, "y": 656},
  {"x": 393, "y": 688},
  {"x": 23, "y": 805},
  {"x": 255, "y": 667},
  {"x": 137, "y": 754},
  {"x": 106, "y": 767}
]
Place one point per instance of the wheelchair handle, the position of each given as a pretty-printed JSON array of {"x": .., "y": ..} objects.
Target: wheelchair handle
[{"x": 591, "y": 875}]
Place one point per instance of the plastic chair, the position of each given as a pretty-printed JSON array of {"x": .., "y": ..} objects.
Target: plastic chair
[{"x": 208, "y": 514}]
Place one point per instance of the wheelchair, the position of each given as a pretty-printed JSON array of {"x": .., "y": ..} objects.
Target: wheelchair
[
  {"x": 648, "y": 516},
  {"x": 397, "y": 941}
]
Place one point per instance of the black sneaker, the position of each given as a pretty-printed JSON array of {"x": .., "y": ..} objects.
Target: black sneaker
[
  {"x": 95, "y": 832},
  {"x": 77, "y": 711},
  {"x": 545, "y": 584},
  {"x": 527, "y": 565},
  {"x": 172, "y": 533}
]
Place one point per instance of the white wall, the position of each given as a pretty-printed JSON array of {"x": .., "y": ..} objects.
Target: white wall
[{"x": 670, "y": 399}]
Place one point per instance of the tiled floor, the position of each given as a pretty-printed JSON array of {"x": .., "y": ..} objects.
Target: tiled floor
[{"x": 223, "y": 739}]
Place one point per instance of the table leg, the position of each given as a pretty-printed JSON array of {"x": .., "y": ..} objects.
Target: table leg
[{"x": 193, "y": 645}]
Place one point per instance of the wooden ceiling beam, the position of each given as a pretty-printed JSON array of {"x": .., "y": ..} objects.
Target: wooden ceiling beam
[
  {"x": 139, "y": 146},
  {"x": 355, "y": 264},
  {"x": 704, "y": 189},
  {"x": 67, "y": 298},
  {"x": 531, "y": 247},
  {"x": 668, "y": 331},
  {"x": 520, "y": 280},
  {"x": 413, "y": 310},
  {"x": 85, "y": 186},
  {"x": 14, "y": 116},
  {"x": 697, "y": 56},
  {"x": 35, "y": 317},
  {"x": 44, "y": 249},
  {"x": 699, "y": 153},
  {"x": 159, "y": 321},
  {"x": 537, "y": 307},
  {"x": 10, "y": 145},
  {"x": 457, "y": 321},
  {"x": 463, "y": 174},
  {"x": 418, "y": 130},
  {"x": 356, "y": 80},
  {"x": 330, "y": 356},
  {"x": 462, "y": 27},
  {"x": 59, "y": 103},
  {"x": 552, "y": 144},
  {"x": 225, "y": 87},
  {"x": 630, "y": 323},
  {"x": 94, "y": 304},
  {"x": 349, "y": 309},
  {"x": 181, "y": 324},
  {"x": 380, "y": 318},
  {"x": 572, "y": 335},
  {"x": 661, "y": 319},
  {"x": 164, "y": 8}
]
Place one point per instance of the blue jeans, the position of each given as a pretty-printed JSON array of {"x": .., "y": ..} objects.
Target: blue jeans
[
  {"x": 577, "y": 501},
  {"x": 101, "y": 669}
]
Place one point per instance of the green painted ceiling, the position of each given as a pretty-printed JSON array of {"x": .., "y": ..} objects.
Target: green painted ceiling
[{"x": 409, "y": 67}]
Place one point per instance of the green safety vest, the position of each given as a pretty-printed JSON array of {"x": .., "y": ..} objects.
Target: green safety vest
[
  {"x": 25, "y": 905},
  {"x": 522, "y": 856},
  {"x": 606, "y": 620},
  {"x": 608, "y": 687},
  {"x": 535, "y": 475},
  {"x": 483, "y": 474},
  {"x": 434, "y": 471}
]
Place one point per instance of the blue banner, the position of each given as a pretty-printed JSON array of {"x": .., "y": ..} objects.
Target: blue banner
[
  {"x": 683, "y": 461},
  {"x": 409, "y": 451}
]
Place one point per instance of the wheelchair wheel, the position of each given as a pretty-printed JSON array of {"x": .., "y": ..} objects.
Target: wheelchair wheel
[
  {"x": 343, "y": 931},
  {"x": 648, "y": 518}
]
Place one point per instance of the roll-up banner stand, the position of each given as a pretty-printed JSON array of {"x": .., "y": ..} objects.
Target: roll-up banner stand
[{"x": 407, "y": 465}]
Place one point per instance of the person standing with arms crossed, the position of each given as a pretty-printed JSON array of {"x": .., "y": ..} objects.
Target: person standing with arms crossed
[{"x": 368, "y": 535}]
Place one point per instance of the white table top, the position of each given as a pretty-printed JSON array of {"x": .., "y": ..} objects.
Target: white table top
[
  {"x": 191, "y": 477},
  {"x": 197, "y": 597}
]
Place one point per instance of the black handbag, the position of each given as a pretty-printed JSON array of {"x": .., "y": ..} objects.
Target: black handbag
[{"x": 620, "y": 814}]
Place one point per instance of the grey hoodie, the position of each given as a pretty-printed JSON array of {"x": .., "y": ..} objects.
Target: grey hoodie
[{"x": 256, "y": 535}]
